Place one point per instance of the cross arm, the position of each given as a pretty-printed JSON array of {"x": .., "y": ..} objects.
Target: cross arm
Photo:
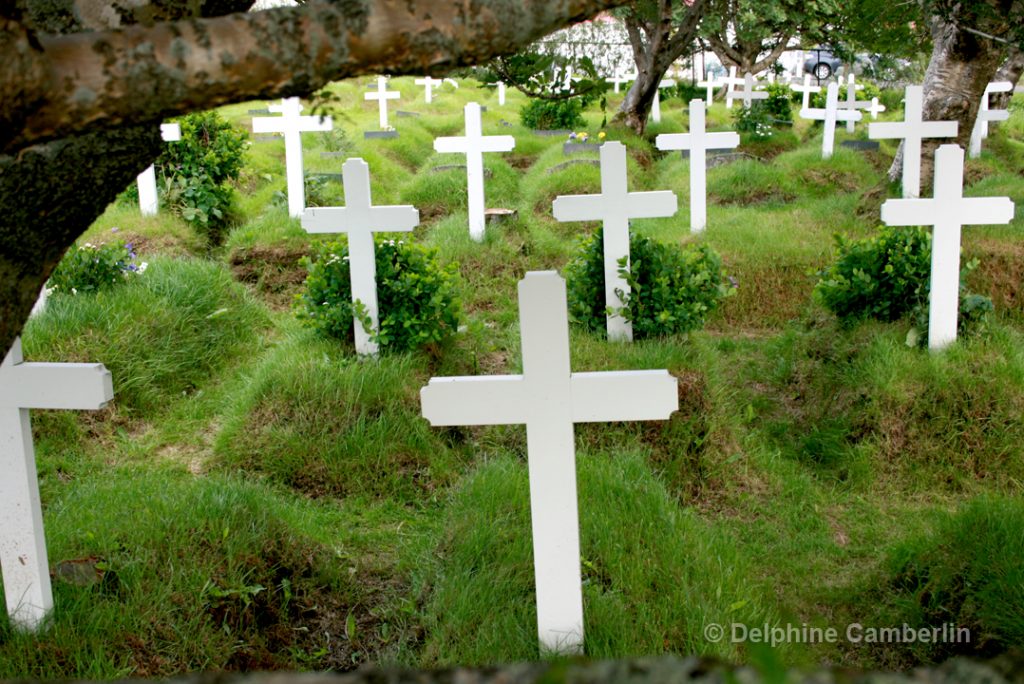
[
  {"x": 394, "y": 219},
  {"x": 455, "y": 143},
  {"x": 578, "y": 208},
  {"x": 651, "y": 204},
  {"x": 899, "y": 129},
  {"x": 476, "y": 400},
  {"x": 673, "y": 141},
  {"x": 818, "y": 114},
  {"x": 267, "y": 124},
  {"x": 498, "y": 143},
  {"x": 908, "y": 212},
  {"x": 315, "y": 123},
  {"x": 623, "y": 395},
  {"x": 56, "y": 386}
]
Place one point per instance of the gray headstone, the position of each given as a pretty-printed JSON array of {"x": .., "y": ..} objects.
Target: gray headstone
[
  {"x": 380, "y": 134},
  {"x": 717, "y": 160},
  {"x": 553, "y": 133},
  {"x": 860, "y": 144},
  {"x": 404, "y": 115},
  {"x": 259, "y": 111},
  {"x": 573, "y": 162},
  {"x": 577, "y": 148}
]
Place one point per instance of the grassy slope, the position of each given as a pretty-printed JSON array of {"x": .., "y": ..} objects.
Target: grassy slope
[{"x": 263, "y": 500}]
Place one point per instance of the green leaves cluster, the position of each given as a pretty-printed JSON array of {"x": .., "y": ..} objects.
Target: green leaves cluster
[
  {"x": 197, "y": 172},
  {"x": 672, "y": 290},
  {"x": 417, "y": 297},
  {"x": 546, "y": 115},
  {"x": 90, "y": 268},
  {"x": 818, "y": 100}
]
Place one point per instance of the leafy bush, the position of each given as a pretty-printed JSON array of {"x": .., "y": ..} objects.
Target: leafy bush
[
  {"x": 544, "y": 115},
  {"x": 671, "y": 290},
  {"x": 779, "y": 103},
  {"x": 892, "y": 99},
  {"x": 870, "y": 90},
  {"x": 754, "y": 121},
  {"x": 416, "y": 296},
  {"x": 197, "y": 170},
  {"x": 89, "y": 268},
  {"x": 887, "y": 276},
  {"x": 685, "y": 91}
]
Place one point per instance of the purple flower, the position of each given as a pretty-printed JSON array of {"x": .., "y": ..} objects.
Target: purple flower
[{"x": 733, "y": 281}]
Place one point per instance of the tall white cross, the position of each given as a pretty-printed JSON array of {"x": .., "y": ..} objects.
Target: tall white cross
[
  {"x": 806, "y": 89},
  {"x": 619, "y": 78},
  {"x": 912, "y": 129},
  {"x": 24, "y": 386},
  {"x": 709, "y": 85},
  {"x": 656, "y": 105},
  {"x": 501, "y": 93},
  {"x": 948, "y": 212},
  {"x": 428, "y": 84},
  {"x": 698, "y": 142},
  {"x": 292, "y": 126},
  {"x": 473, "y": 145},
  {"x": 360, "y": 219},
  {"x": 382, "y": 95},
  {"x": 830, "y": 114},
  {"x": 549, "y": 399},
  {"x": 731, "y": 82},
  {"x": 615, "y": 206},
  {"x": 985, "y": 115},
  {"x": 748, "y": 94},
  {"x": 148, "y": 204},
  {"x": 852, "y": 102}
]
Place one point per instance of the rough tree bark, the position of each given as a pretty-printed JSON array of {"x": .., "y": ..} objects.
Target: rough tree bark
[
  {"x": 84, "y": 83},
  {"x": 659, "y": 31},
  {"x": 1011, "y": 70},
  {"x": 962, "y": 64}
]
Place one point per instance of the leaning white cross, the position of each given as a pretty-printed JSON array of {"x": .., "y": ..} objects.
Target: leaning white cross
[
  {"x": 731, "y": 82},
  {"x": 656, "y": 105},
  {"x": 709, "y": 86},
  {"x": 292, "y": 126},
  {"x": 549, "y": 399},
  {"x": 830, "y": 115},
  {"x": 912, "y": 129},
  {"x": 615, "y": 206},
  {"x": 360, "y": 219},
  {"x": 851, "y": 103},
  {"x": 985, "y": 115},
  {"x": 428, "y": 84},
  {"x": 948, "y": 212},
  {"x": 24, "y": 386},
  {"x": 698, "y": 142},
  {"x": 382, "y": 95},
  {"x": 806, "y": 89},
  {"x": 169, "y": 132},
  {"x": 748, "y": 94},
  {"x": 473, "y": 145}
]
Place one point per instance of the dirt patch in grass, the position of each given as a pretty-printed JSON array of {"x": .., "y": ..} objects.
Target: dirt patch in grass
[
  {"x": 768, "y": 295},
  {"x": 976, "y": 171},
  {"x": 829, "y": 178},
  {"x": 274, "y": 273},
  {"x": 754, "y": 196},
  {"x": 870, "y": 205},
  {"x": 1000, "y": 273},
  {"x": 520, "y": 162}
]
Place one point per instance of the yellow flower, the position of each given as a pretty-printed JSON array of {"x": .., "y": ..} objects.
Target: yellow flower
[{"x": 601, "y": 135}]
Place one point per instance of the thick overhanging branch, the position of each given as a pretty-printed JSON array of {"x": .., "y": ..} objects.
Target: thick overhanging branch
[{"x": 54, "y": 86}]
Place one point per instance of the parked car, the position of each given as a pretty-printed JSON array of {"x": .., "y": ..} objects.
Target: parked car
[{"x": 821, "y": 63}]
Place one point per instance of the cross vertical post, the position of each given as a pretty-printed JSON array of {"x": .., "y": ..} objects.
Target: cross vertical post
[
  {"x": 148, "y": 203},
  {"x": 656, "y": 105},
  {"x": 709, "y": 85},
  {"x": 748, "y": 93},
  {"x": 428, "y": 84},
  {"x": 806, "y": 89},
  {"x": 830, "y": 115}
]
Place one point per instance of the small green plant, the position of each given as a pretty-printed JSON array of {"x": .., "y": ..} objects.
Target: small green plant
[
  {"x": 869, "y": 91},
  {"x": 779, "y": 103},
  {"x": 754, "y": 122},
  {"x": 198, "y": 169},
  {"x": 335, "y": 140},
  {"x": 672, "y": 290},
  {"x": 544, "y": 115},
  {"x": 90, "y": 268},
  {"x": 416, "y": 296},
  {"x": 685, "y": 91}
]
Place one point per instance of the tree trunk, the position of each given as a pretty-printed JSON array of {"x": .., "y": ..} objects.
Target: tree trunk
[
  {"x": 1011, "y": 71},
  {"x": 961, "y": 66}
]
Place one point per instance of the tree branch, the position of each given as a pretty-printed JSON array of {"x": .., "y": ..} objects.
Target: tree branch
[{"x": 53, "y": 86}]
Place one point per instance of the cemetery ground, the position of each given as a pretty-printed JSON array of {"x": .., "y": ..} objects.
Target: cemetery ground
[{"x": 258, "y": 497}]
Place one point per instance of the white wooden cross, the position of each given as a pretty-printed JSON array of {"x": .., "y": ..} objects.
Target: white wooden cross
[
  {"x": 697, "y": 141},
  {"x": 501, "y": 93},
  {"x": 748, "y": 94},
  {"x": 24, "y": 386},
  {"x": 852, "y": 102},
  {"x": 830, "y": 115},
  {"x": 948, "y": 212},
  {"x": 912, "y": 129},
  {"x": 382, "y": 95},
  {"x": 731, "y": 82},
  {"x": 292, "y": 126},
  {"x": 360, "y": 219},
  {"x": 615, "y": 206},
  {"x": 473, "y": 145},
  {"x": 619, "y": 78},
  {"x": 549, "y": 399},
  {"x": 806, "y": 89},
  {"x": 876, "y": 108},
  {"x": 985, "y": 115},
  {"x": 428, "y": 84},
  {"x": 710, "y": 86},
  {"x": 656, "y": 105},
  {"x": 169, "y": 132}
]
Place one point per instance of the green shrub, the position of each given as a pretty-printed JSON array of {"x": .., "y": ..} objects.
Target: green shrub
[
  {"x": 870, "y": 90},
  {"x": 892, "y": 99},
  {"x": 671, "y": 290},
  {"x": 89, "y": 268},
  {"x": 754, "y": 121},
  {"x": 685, "y": 92},
  {"x": 779, "y": 103},
  {"x": 197, "y": 170},
  {"x": 416, "y": 296},
  {"x": 544, "y": 115}
]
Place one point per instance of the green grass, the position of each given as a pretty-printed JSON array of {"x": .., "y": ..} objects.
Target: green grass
[{"x": 813, "y": 474}]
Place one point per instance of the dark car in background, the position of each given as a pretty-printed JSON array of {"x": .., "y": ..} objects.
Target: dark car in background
[{"x": 821, "y": 63}]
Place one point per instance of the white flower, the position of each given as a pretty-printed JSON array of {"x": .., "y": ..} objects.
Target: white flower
[
  {"x": 142, "y": 267},
  {"x": 74, "y": 291}
]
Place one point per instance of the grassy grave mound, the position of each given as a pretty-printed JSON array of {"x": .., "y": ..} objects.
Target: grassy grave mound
[
  {"x": 161, "y": 334},
  {"x": 275, "y": 272},
  {"x": 750, "y": 182},
  {"x": 481, "y": 608},
  {"x": 159, "y": 574},
  {"x": 317, "y": 419}
]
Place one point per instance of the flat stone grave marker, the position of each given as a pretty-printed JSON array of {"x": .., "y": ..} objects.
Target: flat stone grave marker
[
  {"x": 863, "y": 145},
  {"x": 368, "y": 135},
  {"x": 264, "y": 110},
  {"x": 382, "y": 95},
  {"x": 576, "y": 148},
  {"x": 830, "y": 115},
  {"x": 148, "y": 203},
  {"x": 913, "y": 129},
  {"x": 553, "y": 132},
  {"x": 360, "y": 219},
  {"x": 25, "y": 386},
  {"x": 615, "y": 206},
  {"x": 948, "y": 212},
  {"x": 473, "y": 145},
  {"x": 550, "y": 399},
  {"x": 404, "y": 115},
  {"x": 698, "y": 141},
  {"x": 291, "y": 125}
]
